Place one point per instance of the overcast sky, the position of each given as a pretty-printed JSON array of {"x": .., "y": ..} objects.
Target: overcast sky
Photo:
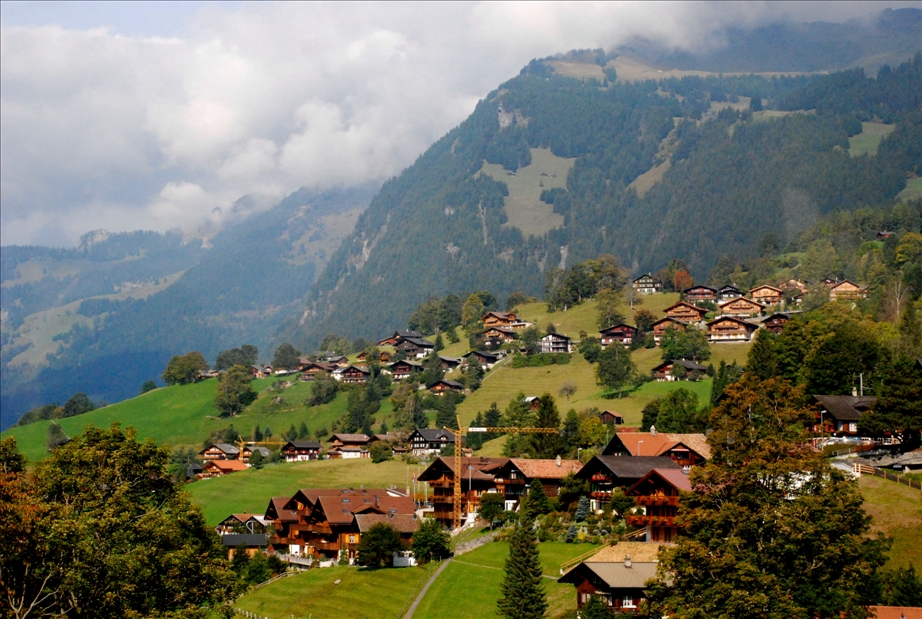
[{"x": 161, "y": 115}]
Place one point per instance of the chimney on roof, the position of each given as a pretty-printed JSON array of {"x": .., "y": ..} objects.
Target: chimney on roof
[
  {"x": 652, "y": 430},
  {"x": 854, "y": 392},
  {"x": 627, "y": 561},
  {"x": 376, "y": 500},
  {"x": 558, "y": 461}
]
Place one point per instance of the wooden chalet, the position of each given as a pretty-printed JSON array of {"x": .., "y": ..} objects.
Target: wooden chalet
[
  {"x": 664, "y": 324},
  {"x": 401, "y": 370},
  {"x": 776, "y": 322},
  {"x": 415, "y": 347},
  {"x": 741, "y": 307},
  {"x": 383, "y": 357},
  {"x": 700, "y": 294},
  {"x": 611, "y": 418},
  {"x": 450, "y": 363},
  {"x": 658, "y": 493},
  {"x": 605, "y": 473},
  {"x": 847, "y": 291},
  {"x": 501, "y": 319},
  {"x": 429, "y": 442},
  {"x": 556, "y": 343},
  {"x": 350, "y": 440},
  {"x": 725, "y": 293},
  {"x": 478, "y": 477},
  {"x": 840, "y": 414},
  {"x": 730, "y": 329},
  {"x": 301, "y": 451},
  {"x": 685, "y": 450},
  {"x": 884, "y": 235},
  {"x": 766, "y": 295},
  {"x": 354, "y": 374},
  {"x": 443, "y": 386},
  {"x": 666, "y": 371},
  {"x": 793, "y": 284},
  {"x": 406, "y": 525},
  {"x": 312, "y": 369},
  {"x": 259, "y": 371},
  {"x": 486, "y": 359},
  {"x": 247, "y": 530},
  {"x": 399, "y": 335},
  {"x": 497, "y": 336},
  {"x": 248, "y": 450},
  {"x": 338, "y": 361},
  {"x": 220, "y": 451},
  {"x": 646, "y": 284},
  {"x": 281, "y": 520},
  {"x": 219, "y": 468},
  {"x": 549, "y": 472},
  {"x": 685, "y": 312},
  {"x": 326, "y": 524},
  {"x": 621, "y": 333},
  {"x": 829, "y": 282},
  {"x": 618, "y": 575}
]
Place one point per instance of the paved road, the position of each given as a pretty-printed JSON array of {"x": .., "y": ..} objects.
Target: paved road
[{"x": 419, "y": 598}]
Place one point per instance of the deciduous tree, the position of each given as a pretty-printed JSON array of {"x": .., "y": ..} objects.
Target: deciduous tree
[
  {"x": 234, "y": 392},
  {"x": 615, "y": 369},
  {"x": 431, "y": 541},
  {"x": 378, "y": 545},
  {"x": 182, "y": 370}
]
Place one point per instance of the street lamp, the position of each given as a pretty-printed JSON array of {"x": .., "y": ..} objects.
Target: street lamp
[{"x": 578, "y": 449}]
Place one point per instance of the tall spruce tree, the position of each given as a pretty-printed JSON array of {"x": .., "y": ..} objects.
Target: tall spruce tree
[
  {"x": 762, "y": 360},
  {"x": 547, "y": 445},
  {"x": 523, "y": 595}
]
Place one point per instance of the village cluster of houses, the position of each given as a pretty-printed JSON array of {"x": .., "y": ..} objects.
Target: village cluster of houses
[{"x": 740, "y": 314}]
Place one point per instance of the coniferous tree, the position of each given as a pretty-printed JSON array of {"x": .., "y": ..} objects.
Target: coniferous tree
[
  {"x": 302, "y": 431},
  {"x": 762, "y": 361},
  {"x": 582, "y": 509},
  {"x": 547, "y": 416},
  {"x": 523, "y": 595},
  {"x": 535, "y": 503},
  {"x": 257, "y": 434}
]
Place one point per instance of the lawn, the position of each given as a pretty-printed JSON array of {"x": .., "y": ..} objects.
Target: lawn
[
  {"x": 913, "y": 190},
  {"x": 479, "y": 575},
  {"x": 185, "y": 415},
  {"x": 897, "y": 511},
  {"x": 249, "y": 491},
  {"x": 335, "y": 592},
  {"x": 869, "y": 139}
]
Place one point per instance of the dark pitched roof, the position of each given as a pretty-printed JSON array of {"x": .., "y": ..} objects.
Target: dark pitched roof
[
  {"x": 691, "y": 366},
  {"x": 484, "y": 354},
  {"x": 431, "y": 434},
  {"x": 615, "y": 575},
  {"x": 302, "y": 445},
  {"x": 627, "y": 467},
  {"x": 444, "y": 381},
  {"x": 845, "y": 407}
]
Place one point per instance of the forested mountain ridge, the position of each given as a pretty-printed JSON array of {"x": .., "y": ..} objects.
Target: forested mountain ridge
[
  {"x": 731, "y": 173},
  {"x": 107, "y": 315}
]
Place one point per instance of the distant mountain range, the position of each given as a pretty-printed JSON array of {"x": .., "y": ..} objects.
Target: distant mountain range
[{"x": 557, "y": 165}]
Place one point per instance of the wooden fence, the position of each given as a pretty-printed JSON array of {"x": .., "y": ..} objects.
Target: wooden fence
[{"x": 864, "y": 469}]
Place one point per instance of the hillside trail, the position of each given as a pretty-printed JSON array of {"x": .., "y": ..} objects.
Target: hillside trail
[{"x": 422, "y": 593}]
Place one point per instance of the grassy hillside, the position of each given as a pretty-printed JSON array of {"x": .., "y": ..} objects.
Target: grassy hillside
[
  {"x": 185, "y": 415},
  {"x": 896, "y": 510},
  {"x": 476, "y": 576}
]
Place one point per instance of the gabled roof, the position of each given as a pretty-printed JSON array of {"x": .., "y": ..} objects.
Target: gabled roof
[
  {"x": 484, "y": 354},
  {"x": 687, "y": 290},
  {"x": 688, "y": 305},
  {"x": 620, "y": 325},
  {"x": 739, "y": 300},
  {"x": 845, "y": 407},
  {"x": 669, "y": 319},
  {"x": 404, "y": 523},
  {"x": 676, "y": 478},
  {"x": 226, "y": 466},
  {"x": 778, "y": 290},
  {"x": 729, "y": 288},
  {"x": 349, "y": 438},
  {"x": 500, "y": 315},
  {"x": 432, "y": 434},
  {"x": 615, "y": 575},
  {"x": 412, "y": 364},
  {"x": 449, "y": 383},
  {"x": 546, "y": 469},
  {"x": 559, "y": 336},
  {"x": 482, "y": 468},
  {"x": 276, "y": 510},
  {"x": 340, "y": 508},
  {"x": 637, "y": 279},
  {"x": 418, "y": 341},
  {"x": 748, "y": 325},
  {"x": 691, "y": 366},
  {"x": 357, "y": 368},
  {"x": 659, "y": 443},
  {"x": 302, "y": 445},
  {"x": 450, "y": 360},
  {"x": 626, "y": 467},
  {"x": 224, "y": 447},
  {"x": 263, "y": 450}
]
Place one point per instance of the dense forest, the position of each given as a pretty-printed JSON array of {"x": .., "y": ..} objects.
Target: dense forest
[{"x": 732, "y": 174}]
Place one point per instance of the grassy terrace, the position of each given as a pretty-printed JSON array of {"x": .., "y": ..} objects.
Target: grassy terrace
[{"x": 897, "y": 511}]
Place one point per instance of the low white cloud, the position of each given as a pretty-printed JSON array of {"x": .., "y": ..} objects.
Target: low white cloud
[{"x": 122, "y": 128}]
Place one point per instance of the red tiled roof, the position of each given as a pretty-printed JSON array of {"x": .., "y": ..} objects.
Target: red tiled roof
[
  {"x": 546, "y": 469},
  {"x": 896, "y": 612}
]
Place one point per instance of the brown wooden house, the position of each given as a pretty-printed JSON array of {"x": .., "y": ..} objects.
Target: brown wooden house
[
  {"x": 394, "y": 339},
  {"x": 301, "y": 451},
  {"x": 766, "y": 295},
  {"x": 621, "y": 333},
  {"x": 685, "y": 450},
  {"x": 776, "y": 322},
  {"x": 219, "y": 468},
  {"x": 685, "y": 312},
  {"x": 729, "y": 292},
  {"x": 312, "y": 369},
  {"x": 647, "y": 284},
  {"x": 662, "y": 325},
  {"x": 666, "y": 371},
  {"x": 611, "y": 418},
  {"x": 617, "y": 575},
  {"x": 355, "y": 375},
  {"x": 478, "y": 477},
  {"x": 658, "y": 493},
  {"x": 847, "y": 291},
  {"x": 401, "y": 370},
  {"x": 443, "y": 386},
  {"x": 220, "y": 451},
  {"x": 741, "y": 307},
  {"x": 840, "y": 414},
  {"x": 700, "y": 294},
  {"x": 486, "y": 359},
  {"x": 730, "y": 329},
  {"x": 415, "y": 347},
  {"x": 605, "y": 473},
  {"x": 499, "y": 319},
  {"x": 497, "y": 336}
]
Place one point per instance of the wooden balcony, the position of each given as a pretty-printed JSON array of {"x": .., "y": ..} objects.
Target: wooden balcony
[
  {"x": 443, "y": 498},
  {"x": 650, "y": 521},
  {"x": 326, "y": 546},
  {"x": 313, "y": 527},
  {"x": 275, "y": 539},
  {"x": 657, "y": 500},
  {"x": 602, "y": 477},
  {"x": 601, "y": 494}
]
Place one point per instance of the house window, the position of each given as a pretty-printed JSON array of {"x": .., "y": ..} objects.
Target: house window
[
  {"x": 627, "y": 602},
  {"x": 351, "y": 539}
]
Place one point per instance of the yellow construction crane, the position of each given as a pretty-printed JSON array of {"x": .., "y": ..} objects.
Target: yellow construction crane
[{"x": 457, "y": 467}]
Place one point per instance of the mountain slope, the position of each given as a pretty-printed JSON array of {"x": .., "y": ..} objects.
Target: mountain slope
[
  {"x": 460, "y": 219},
  {"x": 77, "y": 327}
]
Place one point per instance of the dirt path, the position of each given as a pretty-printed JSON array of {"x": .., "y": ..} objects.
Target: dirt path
[{"x": 422, "y": 593}]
